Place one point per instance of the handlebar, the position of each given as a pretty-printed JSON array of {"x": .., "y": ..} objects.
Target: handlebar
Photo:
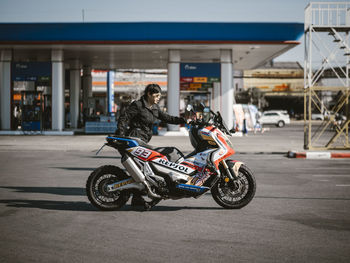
[{"x": 217, "y": 121}]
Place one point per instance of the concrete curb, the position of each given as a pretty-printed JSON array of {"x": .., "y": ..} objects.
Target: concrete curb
[{"x": 318, "y": 155}]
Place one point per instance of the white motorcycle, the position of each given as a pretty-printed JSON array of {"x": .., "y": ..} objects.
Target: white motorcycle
[{"x": 165, "y": 173}]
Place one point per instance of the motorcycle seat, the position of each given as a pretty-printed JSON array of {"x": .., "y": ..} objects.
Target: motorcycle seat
[
  {"x": 172, "y": 153},
  {"x": 131, "y": 141}
]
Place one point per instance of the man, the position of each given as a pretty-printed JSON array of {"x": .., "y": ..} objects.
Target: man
[{"x": 138, "y": 119}]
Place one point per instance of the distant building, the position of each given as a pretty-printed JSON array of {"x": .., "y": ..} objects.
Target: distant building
[{"x": 276, "y": 85}]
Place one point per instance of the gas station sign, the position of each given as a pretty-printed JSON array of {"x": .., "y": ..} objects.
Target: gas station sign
[
  {"x": 31, "y": 71},
  {"x": 199, "y": 76}
]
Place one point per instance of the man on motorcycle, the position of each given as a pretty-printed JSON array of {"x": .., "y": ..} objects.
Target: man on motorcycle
[{"x": 138, "y": 119}]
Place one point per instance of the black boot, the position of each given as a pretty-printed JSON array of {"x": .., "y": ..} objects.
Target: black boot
[
  {"x": 148, "y": 205},
  {"x": 137, "y": 200}
]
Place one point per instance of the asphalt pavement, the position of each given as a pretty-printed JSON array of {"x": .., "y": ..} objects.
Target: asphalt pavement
[{"x": 300, "y": 212}]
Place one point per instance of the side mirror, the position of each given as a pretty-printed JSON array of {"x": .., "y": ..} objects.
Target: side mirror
[{"x": 189, "y": 107}]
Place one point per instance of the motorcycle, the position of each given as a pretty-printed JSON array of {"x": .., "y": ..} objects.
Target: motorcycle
[{"x": 166, "y": 173}]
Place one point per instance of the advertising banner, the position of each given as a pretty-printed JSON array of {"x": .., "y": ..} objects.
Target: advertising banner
[
  {"x": 110, "y": 91},
  {"x": 244, "y": 111}
]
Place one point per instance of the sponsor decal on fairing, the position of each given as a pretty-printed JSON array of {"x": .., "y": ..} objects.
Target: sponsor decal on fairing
[{"x": 174, "y": 166}]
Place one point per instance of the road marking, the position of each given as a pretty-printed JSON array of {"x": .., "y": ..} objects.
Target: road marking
[{"x": 343, "y": 185}]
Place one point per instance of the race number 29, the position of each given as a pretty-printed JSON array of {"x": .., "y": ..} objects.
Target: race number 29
[{"x": 142, "y": 153}]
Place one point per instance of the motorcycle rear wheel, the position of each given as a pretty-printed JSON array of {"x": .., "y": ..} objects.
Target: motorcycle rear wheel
[
  {"x": 96, "y": 188},
  {"x": 235, "y": 194}
]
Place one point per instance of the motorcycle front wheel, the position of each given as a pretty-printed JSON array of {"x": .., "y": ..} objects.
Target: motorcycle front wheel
[
  {"x": 96, "y": 188},
  {"x": 235, "y": 194}
]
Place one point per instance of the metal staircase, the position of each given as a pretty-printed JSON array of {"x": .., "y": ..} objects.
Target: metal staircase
[{"x": 326, "y": 75}]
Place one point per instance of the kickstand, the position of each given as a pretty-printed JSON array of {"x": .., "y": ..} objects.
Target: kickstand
[
  {"x": 101, "y": 148},
  {"x": 148, "y": 205}
]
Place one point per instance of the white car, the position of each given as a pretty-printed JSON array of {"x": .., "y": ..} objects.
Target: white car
[
  {"x": 278, "y": 118},
  {"x": 317, "y": 116}
]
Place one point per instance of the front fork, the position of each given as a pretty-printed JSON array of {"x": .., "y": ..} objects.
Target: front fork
[{"x": 232, "y": 173}]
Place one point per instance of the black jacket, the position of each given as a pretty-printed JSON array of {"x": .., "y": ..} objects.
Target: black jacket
[{"x": 137, "y": 120}]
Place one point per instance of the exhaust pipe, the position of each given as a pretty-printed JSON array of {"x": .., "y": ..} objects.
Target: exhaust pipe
[
  {"x": 137, "y": 175},
  {"x": 133, "y": 169}
]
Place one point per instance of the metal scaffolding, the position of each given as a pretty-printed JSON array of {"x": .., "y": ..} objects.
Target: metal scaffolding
[{"x": 326, "y": 76}]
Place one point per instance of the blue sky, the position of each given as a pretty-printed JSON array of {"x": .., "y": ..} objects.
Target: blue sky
[
  {"x": 158, "y": 10},
  {"x": 152, "y": 10}
]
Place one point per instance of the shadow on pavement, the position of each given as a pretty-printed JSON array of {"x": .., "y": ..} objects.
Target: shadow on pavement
[
  {"x": 76, "y": 191},
  {"x": 77, "y": 206},
  {"x": 160, "y": 208},
  {"x": 85, "y": 206},
  {"x": 49, "y": 205}
]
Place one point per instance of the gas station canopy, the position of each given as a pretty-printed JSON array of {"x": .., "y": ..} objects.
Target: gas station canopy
[
  {"x": 137, "y": 45},
  {"x": 146, "y": 44}
]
